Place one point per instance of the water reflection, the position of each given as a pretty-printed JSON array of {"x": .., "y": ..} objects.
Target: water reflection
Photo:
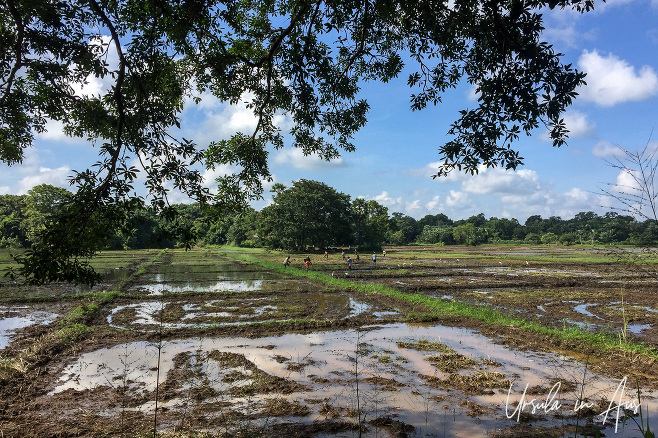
[
  {"x": 18, "y": 317},
  {"x": 219, "y": 312},
  {"x": 329, "y": 363},
  {"x": 197, "y": 286}
]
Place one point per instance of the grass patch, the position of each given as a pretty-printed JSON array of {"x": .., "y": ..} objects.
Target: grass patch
[{"x": 422, "y": 345}]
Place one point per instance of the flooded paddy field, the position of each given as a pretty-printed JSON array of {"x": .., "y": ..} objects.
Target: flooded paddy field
[
  {"x": 205, "y": 343},
  {"x": 558, "y": 285}
]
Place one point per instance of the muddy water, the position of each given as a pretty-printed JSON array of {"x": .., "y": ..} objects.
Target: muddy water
[
  {"x": 145, "y": 315},
  {"x": 393, "y": 366},
  {"x": 13, "y": 318},
  {"x": 158, "y": 288}
]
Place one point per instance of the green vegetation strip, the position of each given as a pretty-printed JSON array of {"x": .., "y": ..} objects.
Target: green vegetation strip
[{"x": 438, "y": 307}]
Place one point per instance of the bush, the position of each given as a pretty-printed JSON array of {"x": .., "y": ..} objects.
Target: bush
[
  {"x": 10, "y": 242},
  {"x": 436, "y": 234},
  {"x": 569, "y": 238},
  {"x": 532, "y": 238},
  {"x": 549, "y": 238}
]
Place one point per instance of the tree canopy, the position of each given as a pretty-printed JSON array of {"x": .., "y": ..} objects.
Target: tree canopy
[
  {"x": 306, "y": 59},
  {"x": 309, "y": 213}
]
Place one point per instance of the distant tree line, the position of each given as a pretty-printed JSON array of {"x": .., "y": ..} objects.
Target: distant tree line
[{"x": 312, "y": 214}]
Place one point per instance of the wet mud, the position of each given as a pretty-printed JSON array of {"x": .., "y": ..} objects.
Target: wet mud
[{"x": 198, "y": 341}]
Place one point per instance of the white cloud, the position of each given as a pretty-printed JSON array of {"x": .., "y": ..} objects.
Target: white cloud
[
  {"x": 434, "y": 204},
  {"x": 502, "y": 181},
  {"x": 431, "y": 169},
  {"x": 627, "y": 182},
  {"x": 267, "y": 185},
  {"x": 546, "y": 202},
  {"x": 241, "y": 119},
  {"x": 55, "y": 133},
  {"x": 224, "y": 123},
  {"x": 577, "y": 124},
  {"x": 566, "y": 34},
  {"x": 387, "y": 201},
  {"x": 611, "y": 80},
  {"x": 456, "y": 199},
  {"x": 95, "y": 86},
  {"x": 577, "y": 194},
  {"x": 294, "y": 157},
  {"x": 502, "y": 193},
  {"x": 213, "y": 119},
  {"x": 399, "y": 204},
  {"x": 210, "y": 175},
  {"x": 604, "y": 149},
  {"x": 56, "y": 177},
  {"x": 283, "y": 121},
  {"x": 19, "y": 179},
  {"x": 413, "y": 207},
  {"x": 506, "y": 193},
  {"x": 472, "y": 95}
]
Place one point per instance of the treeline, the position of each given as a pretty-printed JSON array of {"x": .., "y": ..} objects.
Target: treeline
[{"x": 312, "y": 214}]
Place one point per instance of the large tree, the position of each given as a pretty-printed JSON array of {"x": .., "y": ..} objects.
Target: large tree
[
  {"x": 302, "y": 58},
  {"x": 308, "y": 214},
  {"x": 370, "y": 223}
]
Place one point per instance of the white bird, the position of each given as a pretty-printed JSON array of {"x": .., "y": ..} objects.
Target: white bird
[
  {"x": 347, "y": 274},
  {"x": 332, "y": 273}
]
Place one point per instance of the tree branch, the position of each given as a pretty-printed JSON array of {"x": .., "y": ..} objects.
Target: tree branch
[{"x": 20, "y": 32}]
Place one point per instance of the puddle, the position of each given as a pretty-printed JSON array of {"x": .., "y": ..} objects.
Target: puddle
[
  {"x": 358, "y": 308},
  {"x": 16, "y": 318},
  {"x": 232, "y": 311},
  {"x": 485, "y": 291},
  {"x": 582, "y": 309},
  {"x": 638, "y": 328},
  {"x": 516, "y": 272},
  {"x": 146, "y": 314},
  {"x": 616, "y": 305},
  {"x": 396, "y": 378},
  {"x": 115, "y": 275},
  {"x": 196, "y": 286}
]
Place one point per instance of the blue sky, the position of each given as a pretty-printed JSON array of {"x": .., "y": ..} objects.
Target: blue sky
[{"x": 397, "y": 151}]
